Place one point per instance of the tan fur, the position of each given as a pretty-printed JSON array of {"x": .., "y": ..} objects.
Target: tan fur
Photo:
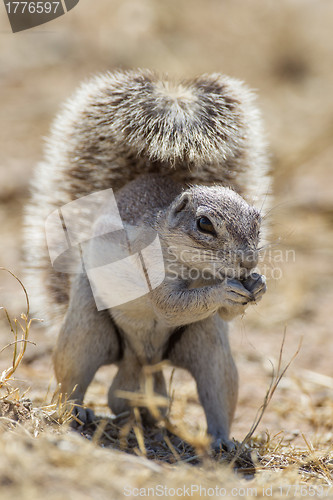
[{"x": 149, "y": 139}]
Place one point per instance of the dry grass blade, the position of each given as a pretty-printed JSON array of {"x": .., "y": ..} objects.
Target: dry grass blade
[
  {"x": 137, "y": 427},
  {"x": 61, "y": 408},
  {"x": 16, "y": 325},
  {"x": 172, "y": 449},
  {"x": 100, "y": 431},
  {"x": 317, "y": 462},
  {"x": 23, "y": 288},
  {"x": 276, "y": 379}
]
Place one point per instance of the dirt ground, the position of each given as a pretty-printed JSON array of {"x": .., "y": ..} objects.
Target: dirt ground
[{"x": 282, "y": 49}]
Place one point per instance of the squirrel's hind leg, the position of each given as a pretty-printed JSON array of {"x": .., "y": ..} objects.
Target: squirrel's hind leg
[
  {"x": 87, "y": 340},
  {"x": 203, "y": 349}
]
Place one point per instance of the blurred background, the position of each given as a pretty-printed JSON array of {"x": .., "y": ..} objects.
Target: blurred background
[{"x": 283, "y": 50}]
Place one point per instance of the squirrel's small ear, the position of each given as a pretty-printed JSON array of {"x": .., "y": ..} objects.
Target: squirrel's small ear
[
  {"x": 178, "y": 206},
  {"x": 181, "y": 202}
]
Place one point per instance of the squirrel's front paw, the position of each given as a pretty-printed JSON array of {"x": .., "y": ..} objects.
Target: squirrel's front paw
[
  {"x": 256, "y": 284},
  {"x": 234, "y": 300}
]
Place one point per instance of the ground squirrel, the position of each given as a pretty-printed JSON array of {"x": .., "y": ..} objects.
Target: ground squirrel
[{"x": 187, "y": 161}]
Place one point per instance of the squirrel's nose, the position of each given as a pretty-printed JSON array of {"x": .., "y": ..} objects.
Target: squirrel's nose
[{"x": 248, "y": 258}]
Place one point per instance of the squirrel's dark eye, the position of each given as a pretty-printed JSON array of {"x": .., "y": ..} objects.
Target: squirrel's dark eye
[{"x": 205, "y": 226}]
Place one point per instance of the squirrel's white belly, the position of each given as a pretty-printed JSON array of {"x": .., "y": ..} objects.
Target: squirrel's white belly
[
  {"x": 143, "y": 332},
  {"x": 148, "y": 344}
]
